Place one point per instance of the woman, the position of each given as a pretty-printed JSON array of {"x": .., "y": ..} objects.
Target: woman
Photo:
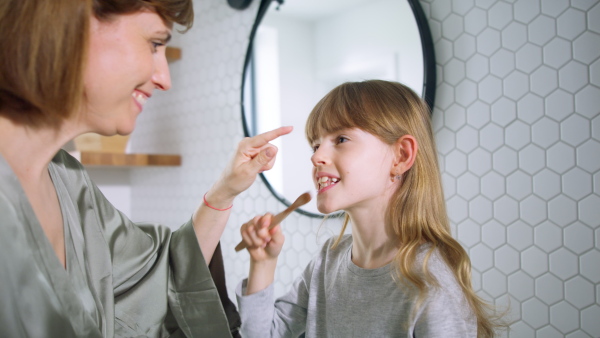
[{"x": 70, "y": 263}]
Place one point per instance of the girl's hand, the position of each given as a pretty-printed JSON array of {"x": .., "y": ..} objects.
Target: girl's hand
[
  {"x": 263, "y": 244},
  {"x": 253, "y": 156}
]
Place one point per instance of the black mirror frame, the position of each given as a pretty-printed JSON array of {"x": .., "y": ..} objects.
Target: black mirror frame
[{"x": 429, "y": 75}]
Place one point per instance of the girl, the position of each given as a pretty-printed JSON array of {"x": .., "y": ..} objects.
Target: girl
[{"x": 400, "y": 273}]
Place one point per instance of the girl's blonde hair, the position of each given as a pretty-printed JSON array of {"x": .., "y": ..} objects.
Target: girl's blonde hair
[{"x": 417, "y": 211}]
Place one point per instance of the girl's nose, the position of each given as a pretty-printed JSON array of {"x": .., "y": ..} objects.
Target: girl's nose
[
  {"x": 162, "y": 76},
  {"x": 319, "y": 157}
]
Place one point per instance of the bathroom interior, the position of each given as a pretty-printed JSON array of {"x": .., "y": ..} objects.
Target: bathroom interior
[{"x": 515, "y": 91}]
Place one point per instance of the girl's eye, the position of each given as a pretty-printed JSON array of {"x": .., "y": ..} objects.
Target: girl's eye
[
  {"x": 341, "y": 139},
  {"x": 314, "y": 148}
]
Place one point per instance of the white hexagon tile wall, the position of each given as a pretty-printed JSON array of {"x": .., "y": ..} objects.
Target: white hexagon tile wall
[{"x": 517, "y": 122}]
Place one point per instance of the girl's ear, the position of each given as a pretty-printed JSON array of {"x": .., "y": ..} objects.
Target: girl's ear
[{"x": 405, "y": 152}]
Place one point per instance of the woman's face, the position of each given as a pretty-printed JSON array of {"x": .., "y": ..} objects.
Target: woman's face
[{"x": 126, "y": 62}]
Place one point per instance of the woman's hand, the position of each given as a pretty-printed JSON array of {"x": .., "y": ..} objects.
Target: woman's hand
[
  {"x": 253, "y": 156},
  {"x": 263, "y": 244}
]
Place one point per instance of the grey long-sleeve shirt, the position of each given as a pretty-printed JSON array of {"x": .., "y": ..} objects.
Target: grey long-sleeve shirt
[{"x": 335, "y": 298}]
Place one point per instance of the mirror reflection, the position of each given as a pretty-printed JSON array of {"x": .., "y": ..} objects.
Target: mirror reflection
[{"x": 303, "y": 49}]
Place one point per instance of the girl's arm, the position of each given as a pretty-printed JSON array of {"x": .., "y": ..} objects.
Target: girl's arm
[{"x": 264, "y": 246}]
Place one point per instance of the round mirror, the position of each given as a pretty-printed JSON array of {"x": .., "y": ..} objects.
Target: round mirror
[{"x": 301, "y": 49}]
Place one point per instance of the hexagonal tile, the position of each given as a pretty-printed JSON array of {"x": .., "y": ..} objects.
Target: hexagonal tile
[
  {"x": 440, "y": 9},
  {"x": 586, "y": 101},
  {"x": 526, "y": 10},
  {"x": 477, "y": 67},
  {"x": 589, "y": 267},
  {"x": 514, "y": 36},
  {"x": 500, "y": 15},
  {"x": 546, "y": 184},
  {"x": 494, "y": 283},
  {"x": 494, "y": 234},
  {"x": 480, "y": 161},
  {"x": 554, "y": 8},
  {"x": 443, "y": 50},
  {"x": 534, "y": 261},
  {"x": 559, "y": 105},
  {"x": 560, "y": 157},
  {"x": 488, "y": 41},
  {"x": 454, "y": 72},
  {"x": 575, "y": 129},
  {"x": 518, "y": 185},
  {"x": 589, "y": 320},
  {"x": 517, "y": 135},
  {"x": 563, "y": 264},
  {"x": 464, "y": 47},
  {"x": 467, "y": 139},
  {"x": 468, "y": 186},
  {"x": 577, "y": 183},
  {"x": 557, "y": 52},
  {"x": 506, "y": 210},
  {"x": 481, "y": 257},
  {"x": 455, "y": 117},
  {"x": 549, "y": 289},
  {"x": 492, "y": 185},
  {"x": 449, "y": 184},
  {"x": 594, "y": 25},
  {"x": 579, "y": 238},
  {"x": 535, "y": 313},
  {"x": 491, "y": 137},
  {"x": 504, "y": 160},
  {"x": 545, "y": 132},
  {"x": 530, "y": 108},
  {"x": 578, "y": 291},
  {"x": 478, "y": 114},
  {"x": 533, "y": 210},
  {"x": 595, "y": 72},
  {"x": 502, "y": 62},
  {"x": 589, "y": 213},
  {"x": 444, "y": 140},
  {"x": 462, "y": 7},
  {"x": 544, "y": 80},
  {"x": 573, "y": 76},
  {"x": 490, "y": 89},
  {"x": 587, "y": 156},
  {"x": 506, "y": 259},
  {"x": 520, "y": 286},
  {"x": 452, "y": 26},
  {"x": 548, "y": 236},
  {"x": 521, "y": 329},
  {"x": 504, "y": 111},
  {"x": 520, "y": 235},
  {"x": 458, "y": 209},
  {"x": 564, "y": 317},
  {"x": 532, "y": 159},
  {"x": 456, "y": 163},
  {"x": 480, "y": 209},
  {"x": 541, "y": 30},
  {"x": 586, "y": 48},
  {"x": 469, "y": 233},
  {"x": 570, "y": 24},
  {"x": 529, "y": 57},
  {"x": 562, "y": 210},
  {"x": 548, "y": 332},
  {"x": 466, "y": 92},
  {"x": 475, "y": 21},
  {"x": 515, "y": 85}
]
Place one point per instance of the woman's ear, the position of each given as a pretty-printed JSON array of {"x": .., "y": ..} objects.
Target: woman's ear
[{"x": 405, "y": 152}]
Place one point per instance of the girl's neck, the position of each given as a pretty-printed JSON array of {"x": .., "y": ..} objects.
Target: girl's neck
[{"x": 372, "y": 246}]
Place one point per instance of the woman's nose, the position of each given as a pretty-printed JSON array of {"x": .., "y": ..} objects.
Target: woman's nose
[{"x": 162, "y": 76}]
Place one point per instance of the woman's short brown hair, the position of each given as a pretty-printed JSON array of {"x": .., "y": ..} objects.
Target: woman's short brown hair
[{"x": 44, "y": 46}]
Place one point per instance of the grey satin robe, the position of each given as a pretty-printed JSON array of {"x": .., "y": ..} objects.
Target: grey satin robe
[{"x": 122, "y": 279}]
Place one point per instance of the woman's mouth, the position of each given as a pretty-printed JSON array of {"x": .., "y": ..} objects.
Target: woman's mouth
[
  {"x": 324, "y": 182},
  {"x": 140, "y": 98}
]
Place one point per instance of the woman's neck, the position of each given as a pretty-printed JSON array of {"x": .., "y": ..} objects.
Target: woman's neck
[
  {"x": 372, "y": 246},
  {"x": 28, "y": 150}
]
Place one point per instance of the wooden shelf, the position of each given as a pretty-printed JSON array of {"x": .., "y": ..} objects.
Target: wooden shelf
[
  {"x": 90, "y": 158},
  {"x": 173, "y": 54}
]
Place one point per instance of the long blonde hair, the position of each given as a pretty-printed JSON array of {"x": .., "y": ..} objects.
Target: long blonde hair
[{"x": 416, "y": 212}]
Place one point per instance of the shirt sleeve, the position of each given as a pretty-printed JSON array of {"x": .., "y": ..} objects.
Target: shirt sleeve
[{"x": 286, "y": 317}]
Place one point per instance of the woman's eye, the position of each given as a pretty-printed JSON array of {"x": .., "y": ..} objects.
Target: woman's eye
[{"x": 156, "y": 44}]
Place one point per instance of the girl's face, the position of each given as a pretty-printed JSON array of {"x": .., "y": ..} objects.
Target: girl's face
[
  {"x": 352, "y": 171},
  {"x": 126, "y": 62}
]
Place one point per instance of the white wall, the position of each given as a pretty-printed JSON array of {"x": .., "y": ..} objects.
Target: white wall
[{"x": 517, "y": 125}]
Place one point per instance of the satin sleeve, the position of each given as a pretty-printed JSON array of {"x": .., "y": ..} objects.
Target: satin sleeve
[{"x": 158, "y": 279}]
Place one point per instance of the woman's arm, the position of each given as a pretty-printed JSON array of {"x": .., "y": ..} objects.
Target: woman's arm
[{"x": 253, "y": 156}]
